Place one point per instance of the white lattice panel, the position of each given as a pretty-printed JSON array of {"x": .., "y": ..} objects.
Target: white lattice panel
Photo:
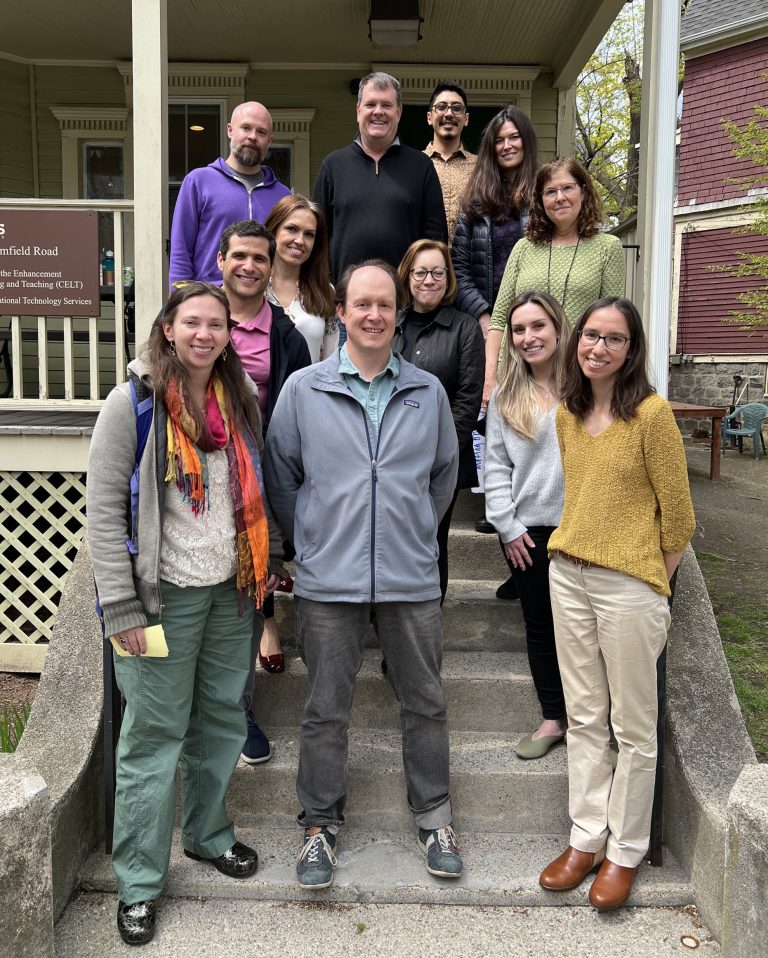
[{"x": 42, "y": 519}]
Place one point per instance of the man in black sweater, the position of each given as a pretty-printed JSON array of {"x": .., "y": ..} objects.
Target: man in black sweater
[{"x": 378, "y": 195}]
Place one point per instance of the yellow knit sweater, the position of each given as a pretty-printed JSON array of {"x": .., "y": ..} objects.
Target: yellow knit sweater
[{"x": 626, "y": 492}]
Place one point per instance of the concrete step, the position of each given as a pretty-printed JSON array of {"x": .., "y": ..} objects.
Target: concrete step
[
  {"x": 473, "y": 555},
  {"x": 220, "y": 928},
  {"x": 483, "y": 690},
  {"x": 491, "y": 788},
  {"x": 474, "y": 620},
  {"x": 386, "y": 866}
]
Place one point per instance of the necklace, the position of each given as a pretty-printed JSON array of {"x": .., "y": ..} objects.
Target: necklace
[
  {"x": 271, "y": 292},
  {"x": 567, "y": 275}
]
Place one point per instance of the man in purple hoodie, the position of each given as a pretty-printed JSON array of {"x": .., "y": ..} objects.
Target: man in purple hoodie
[{"x": 211, "y": 197}]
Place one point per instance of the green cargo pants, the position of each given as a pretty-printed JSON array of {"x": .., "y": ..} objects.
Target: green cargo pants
[{"x": 186, "y": 707}]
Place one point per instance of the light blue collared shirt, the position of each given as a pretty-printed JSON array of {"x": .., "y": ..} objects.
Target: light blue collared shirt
[{"x": 373, "y": 396}]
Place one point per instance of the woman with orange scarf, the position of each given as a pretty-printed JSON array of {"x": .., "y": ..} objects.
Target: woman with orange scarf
[{"x": 180, "y": 537}]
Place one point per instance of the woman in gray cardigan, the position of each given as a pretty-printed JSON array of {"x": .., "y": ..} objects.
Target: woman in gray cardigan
[
  {"x": 524, "y": 488},
  {"x": 180, "y": 538}
]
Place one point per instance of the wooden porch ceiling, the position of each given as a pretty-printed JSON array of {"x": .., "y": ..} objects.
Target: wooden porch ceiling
[{"x": 555, "y": 34}]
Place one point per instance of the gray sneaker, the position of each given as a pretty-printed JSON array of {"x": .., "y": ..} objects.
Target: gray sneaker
[
  {"x": 441, "y": 847},
  {"x": 317, "y": 861}
]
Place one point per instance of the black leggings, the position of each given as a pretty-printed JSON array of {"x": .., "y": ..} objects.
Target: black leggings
[{"x": 533, "y": 586}]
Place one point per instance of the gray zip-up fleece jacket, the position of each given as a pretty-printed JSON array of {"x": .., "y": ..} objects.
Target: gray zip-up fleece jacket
[
  {"x": 128, "y": 586},
  {"x": 362, "y": 512}
]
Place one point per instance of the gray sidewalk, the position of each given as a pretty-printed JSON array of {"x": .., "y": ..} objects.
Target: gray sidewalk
[{"x": 204, "y": 928}]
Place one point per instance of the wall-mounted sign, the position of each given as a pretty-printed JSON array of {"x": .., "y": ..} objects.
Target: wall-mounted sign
[{"x": 49, "y": 263}]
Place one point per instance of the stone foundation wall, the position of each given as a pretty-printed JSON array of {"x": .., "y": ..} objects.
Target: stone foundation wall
[{"x": 712, "y": 384}]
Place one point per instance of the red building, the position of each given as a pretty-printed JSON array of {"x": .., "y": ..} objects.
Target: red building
[{"x": 725, "y": 43}]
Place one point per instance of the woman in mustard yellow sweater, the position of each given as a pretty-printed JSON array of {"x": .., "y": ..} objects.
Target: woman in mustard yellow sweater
[{"x": 626, "y": 521}]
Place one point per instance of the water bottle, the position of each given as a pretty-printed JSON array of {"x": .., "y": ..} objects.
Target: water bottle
[{"x": 108, "y": 268}]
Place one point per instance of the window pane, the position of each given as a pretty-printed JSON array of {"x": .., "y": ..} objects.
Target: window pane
[
  {"x": 103, "y": 173},
  {"x": 279, "y": 159}
]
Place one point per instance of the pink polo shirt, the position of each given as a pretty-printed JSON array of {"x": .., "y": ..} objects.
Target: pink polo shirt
[{"x": 250, "y": 340}]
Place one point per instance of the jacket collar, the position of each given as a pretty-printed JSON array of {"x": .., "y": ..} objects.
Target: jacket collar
[
  {"x": 443, "y": 318},
  {"x": 326, "y": 376}
]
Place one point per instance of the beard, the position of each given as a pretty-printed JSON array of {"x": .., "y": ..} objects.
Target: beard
[{"x": 248, "y": 155}]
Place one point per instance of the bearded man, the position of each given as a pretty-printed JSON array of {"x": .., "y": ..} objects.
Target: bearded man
[{"x": 211, "y": 197}]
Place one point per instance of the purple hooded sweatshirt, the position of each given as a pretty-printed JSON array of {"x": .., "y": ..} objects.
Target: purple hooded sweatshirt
[{"x": 210, "y": 200}]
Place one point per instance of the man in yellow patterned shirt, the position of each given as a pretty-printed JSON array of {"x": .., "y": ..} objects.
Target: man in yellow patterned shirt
[{"x": 447, "y": 115}]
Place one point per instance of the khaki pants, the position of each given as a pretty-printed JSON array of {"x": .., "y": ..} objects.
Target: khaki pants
[{"x": 610, "y": 629}]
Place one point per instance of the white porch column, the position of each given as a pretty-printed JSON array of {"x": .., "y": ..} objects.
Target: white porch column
[
  {"x": 656, "y": 188},
  {"x": 150, "y": 158}
]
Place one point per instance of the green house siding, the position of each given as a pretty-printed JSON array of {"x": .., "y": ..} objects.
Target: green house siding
[
  {"x": 544, "y": 115},
  {"x": 16, "y": 170},
  {"x": 68, "y": 86},
  {"x": 325, "y": 91}
]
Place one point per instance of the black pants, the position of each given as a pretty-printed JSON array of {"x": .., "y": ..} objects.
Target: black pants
[
  {"x": 442, "y": 545},
  {"x": 533, "y": 586}
]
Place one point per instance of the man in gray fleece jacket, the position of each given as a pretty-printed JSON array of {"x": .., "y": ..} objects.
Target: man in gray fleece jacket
[{"x": 360, "y": 466}]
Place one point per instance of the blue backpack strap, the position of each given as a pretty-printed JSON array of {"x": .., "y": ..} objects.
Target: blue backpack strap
[{"x": 143, "y": 408}]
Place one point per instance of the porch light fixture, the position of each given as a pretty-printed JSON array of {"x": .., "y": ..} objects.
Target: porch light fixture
[{"x": 394, "y": 23}]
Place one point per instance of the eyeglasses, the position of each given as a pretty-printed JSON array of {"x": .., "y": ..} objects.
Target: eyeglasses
[
  {"x": 438, "y": 273},
  {"x": 568, "y": 190},
  {"x": 457, "y": 109},
  {"x": 612, "y": 341}
]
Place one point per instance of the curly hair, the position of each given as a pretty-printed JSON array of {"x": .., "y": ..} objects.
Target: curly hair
[
  {"x": 516, "y": 396},
  {"x": 315, "y": 290},
  {"x": 488, "y": 193},
  {"x": 406, "y": 265},
  {"x": 165, "y": 365},
  {"x": 591, "y": 215},
  {"x": 632, "y": 384}
]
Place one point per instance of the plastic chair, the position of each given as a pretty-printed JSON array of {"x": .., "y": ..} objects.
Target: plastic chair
[{"x": 746, "y": 421}]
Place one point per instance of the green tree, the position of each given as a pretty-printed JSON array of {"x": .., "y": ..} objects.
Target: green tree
[
  {"x": 751, "y": 143},
  {"x": 608, "y": 94},
  {"x": 608, "y": 100}
]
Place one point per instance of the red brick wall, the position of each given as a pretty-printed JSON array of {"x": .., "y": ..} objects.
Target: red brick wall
[
  {"x": 722, "y": 85},
  {"x": 706, "y": 296}
]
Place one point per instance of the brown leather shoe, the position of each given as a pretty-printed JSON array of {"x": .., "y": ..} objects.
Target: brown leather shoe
[
  {"x": 570, "y": 869},
  {"x": 612, "y": 886}
]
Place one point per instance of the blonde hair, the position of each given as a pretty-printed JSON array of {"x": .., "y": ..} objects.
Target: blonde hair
[{"x": 516, "y": 396}]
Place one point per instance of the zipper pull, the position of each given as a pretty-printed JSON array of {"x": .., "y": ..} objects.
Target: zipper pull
[{"x": 373, "y": 469}]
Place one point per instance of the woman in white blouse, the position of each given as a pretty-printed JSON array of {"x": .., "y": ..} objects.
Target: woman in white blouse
[{"x": 299, "y": 281}]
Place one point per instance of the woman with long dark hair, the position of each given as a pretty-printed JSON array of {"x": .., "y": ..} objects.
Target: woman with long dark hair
[
  {"x": 191, "y": 553},
  {"x": 626, "y": 521},
  {"x": 494, "y": 211},
  {"x": 493, "y": 217},
  {"x": 524, "y": 488},
  {"x": 299, "y": 281}
]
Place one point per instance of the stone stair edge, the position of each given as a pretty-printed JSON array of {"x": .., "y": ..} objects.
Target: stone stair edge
[{"x": 387, "y": 866}]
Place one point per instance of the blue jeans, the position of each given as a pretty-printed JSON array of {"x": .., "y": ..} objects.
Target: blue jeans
[{"x": 330, "y": 637}]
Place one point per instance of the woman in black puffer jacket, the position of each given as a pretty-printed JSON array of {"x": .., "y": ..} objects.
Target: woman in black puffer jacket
[
  {"x": 494, "y": 211},
  {"x": 493, "y": 217}
]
